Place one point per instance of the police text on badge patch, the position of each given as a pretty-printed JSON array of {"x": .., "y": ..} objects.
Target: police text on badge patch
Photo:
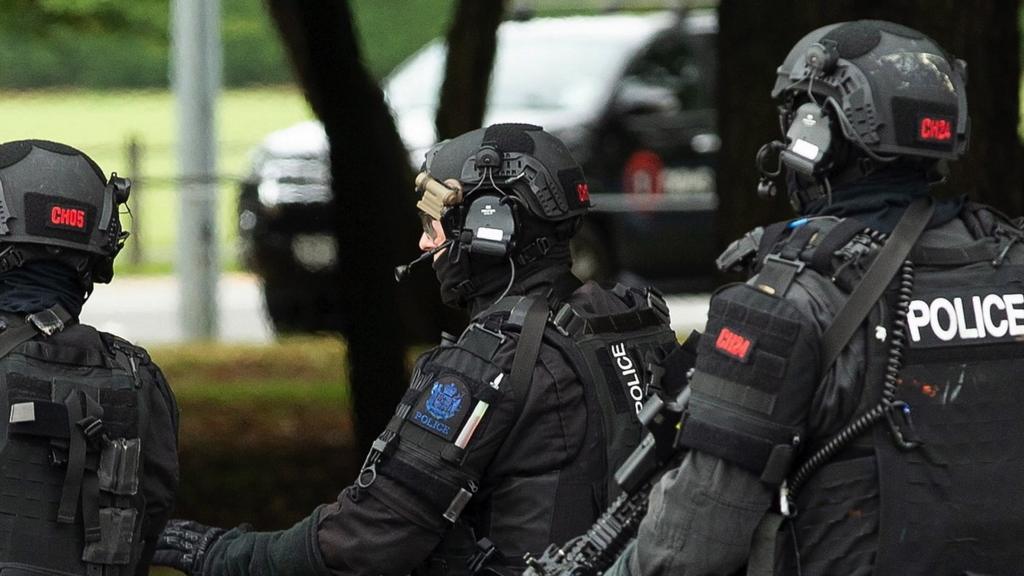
[{"x": 974, "y": 318}]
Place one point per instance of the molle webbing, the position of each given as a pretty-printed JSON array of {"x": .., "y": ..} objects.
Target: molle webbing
[{"x": 71, "y": 444}]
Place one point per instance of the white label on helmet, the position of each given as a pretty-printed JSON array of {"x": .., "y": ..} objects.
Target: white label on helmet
[
  {"x": 805, "y": 149},
  {"x": 489, "y": 234}
]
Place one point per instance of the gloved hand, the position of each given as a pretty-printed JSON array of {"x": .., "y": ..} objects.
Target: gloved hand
[{"x": 183, "y": 546}]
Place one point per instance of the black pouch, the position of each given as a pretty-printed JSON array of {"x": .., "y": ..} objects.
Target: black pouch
[
  {"x": 117, "y": 526},
  {"x": 119, "y": 467}
]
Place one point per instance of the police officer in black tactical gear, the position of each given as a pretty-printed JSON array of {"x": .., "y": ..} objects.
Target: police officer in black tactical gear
[
  {"x": 88, "y": 445},
  {"x": 506, "y": 436},
  {"x": 856, "y": 405}
]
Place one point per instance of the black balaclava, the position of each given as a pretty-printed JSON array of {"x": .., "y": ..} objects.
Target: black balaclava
[
  {"x": 488, "y": 278},
  {"x": 38, "y": 285},
  {"x": 879, "y": 199}
]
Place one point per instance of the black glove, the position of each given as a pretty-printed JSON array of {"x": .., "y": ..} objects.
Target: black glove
[{"x": 183, "y": 546}]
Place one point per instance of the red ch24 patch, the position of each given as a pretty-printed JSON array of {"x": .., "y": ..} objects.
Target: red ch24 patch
[
  {"x": 935, "y": 128},
  {"x": 734, "y": 345}
]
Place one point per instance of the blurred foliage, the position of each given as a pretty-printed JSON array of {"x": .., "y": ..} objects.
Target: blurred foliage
[
  {"x": 126, "y": 43},
  {"x": 88, "y": 16},
  {"x": 391, "y": 31}
]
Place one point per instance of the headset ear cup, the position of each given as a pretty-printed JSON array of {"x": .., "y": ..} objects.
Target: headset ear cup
[
  {"x": 490, "y": 223},
  {"x": 809, "y": 140}
]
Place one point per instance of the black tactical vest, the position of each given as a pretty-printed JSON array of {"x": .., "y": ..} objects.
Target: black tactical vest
[
  {"x": 955, "y": 505},
  {"x": 70, "y": 452},
  {"x": 615, "y": 348},
  {"x": 948, "y": 500}
]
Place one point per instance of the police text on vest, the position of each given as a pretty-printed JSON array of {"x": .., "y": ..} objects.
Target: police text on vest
[
  {"x": 984, "y": 316},
  {"x": 629, "y": 374}
]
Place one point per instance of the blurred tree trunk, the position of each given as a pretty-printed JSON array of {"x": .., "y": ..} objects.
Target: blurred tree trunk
[
  {"x": 472, "y": 42},
  {"x": 755, "y": 37},
  {"x": 373, "y": 204}
]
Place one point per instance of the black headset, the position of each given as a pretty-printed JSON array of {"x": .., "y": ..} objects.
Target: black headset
[
  {"x": 489, "y": 221},
  {"x": 809, "y": 148}
]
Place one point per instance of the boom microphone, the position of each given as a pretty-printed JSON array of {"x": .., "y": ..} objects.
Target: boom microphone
[{"x": 401, "y": 272}]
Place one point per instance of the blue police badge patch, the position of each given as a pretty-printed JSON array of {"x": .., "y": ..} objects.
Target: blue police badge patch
[
  {"x": 442, "y": 407},
  {"x": 444, "y": 400}
]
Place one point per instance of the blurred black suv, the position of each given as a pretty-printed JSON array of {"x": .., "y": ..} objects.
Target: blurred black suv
[{"x": 630, "y": 94}]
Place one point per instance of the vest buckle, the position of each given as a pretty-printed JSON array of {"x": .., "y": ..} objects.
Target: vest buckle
[
  {"x": 777, "y": 274},
  {"x": 46, "y": 321}
]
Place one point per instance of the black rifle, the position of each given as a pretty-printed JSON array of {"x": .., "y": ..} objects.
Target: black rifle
[{"x": 594, "y": 552}]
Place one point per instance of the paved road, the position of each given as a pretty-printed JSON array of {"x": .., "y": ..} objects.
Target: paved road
[{"x": 145, "y": 310}]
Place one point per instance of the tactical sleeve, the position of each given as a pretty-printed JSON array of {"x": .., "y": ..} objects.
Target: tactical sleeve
[
  {"x": 700, "y": 520},
  {"x": 291, "y": 552},
  {"x": 756, "y": 375},
  {"x": 453, "y": 419},
  {"x": 160, "y": 456}
]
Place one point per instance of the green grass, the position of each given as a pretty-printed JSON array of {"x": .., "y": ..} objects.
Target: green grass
[
  {"x": 238, "y": 395},
  {"x": 101, "y": 123},
  {"x": 304, "y": 369}
]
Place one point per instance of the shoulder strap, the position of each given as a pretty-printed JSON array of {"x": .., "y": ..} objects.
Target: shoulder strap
[
  {"x": 46, "y": 322},
  {"x": 772, "y": 234},
  {"x": 876, "y": 280},
  {"x": 532, "y": 314}
]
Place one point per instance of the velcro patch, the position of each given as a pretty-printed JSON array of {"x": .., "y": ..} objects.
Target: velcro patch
[
  {"x": 57, "y": 217},
  {"x": 734, "y": 345},
  {"x": 442, "y": 408},
  {"x": 935, "y": 128}
]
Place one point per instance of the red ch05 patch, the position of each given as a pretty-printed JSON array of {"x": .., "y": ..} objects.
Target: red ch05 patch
[
  {"x": 62, "y": 217},
  {"x": 734, "y": 345}
]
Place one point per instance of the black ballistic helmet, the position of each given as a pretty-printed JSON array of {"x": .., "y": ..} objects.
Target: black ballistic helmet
[
  {"x": 893, "y": 91},
  {"x": 519, "y": 199},
  {"x": 522, "y": 160},
  {"x": 55, "y": 204}
]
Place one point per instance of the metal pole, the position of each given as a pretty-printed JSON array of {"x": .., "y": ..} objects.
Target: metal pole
[
  {"x": 135, "y": 171},
  {"x": 196, "y": 80}
]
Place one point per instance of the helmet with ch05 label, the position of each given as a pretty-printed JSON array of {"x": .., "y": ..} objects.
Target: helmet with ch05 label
[{"x": 56, "y": 204}]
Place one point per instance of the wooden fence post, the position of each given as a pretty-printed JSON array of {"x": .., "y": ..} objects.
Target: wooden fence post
[{"x": 134, "y": 152}]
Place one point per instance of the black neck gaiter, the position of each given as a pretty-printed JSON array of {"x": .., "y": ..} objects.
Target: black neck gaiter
[
  {"x": 38, "y": 285},
  {"x": 487, "y": 283},
  {"x": 879, "y": 200}
]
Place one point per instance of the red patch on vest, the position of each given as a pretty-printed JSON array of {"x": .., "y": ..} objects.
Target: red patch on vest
[
  {"x": 733, "y": 345},
  {"x": 67, "y": 217}
]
